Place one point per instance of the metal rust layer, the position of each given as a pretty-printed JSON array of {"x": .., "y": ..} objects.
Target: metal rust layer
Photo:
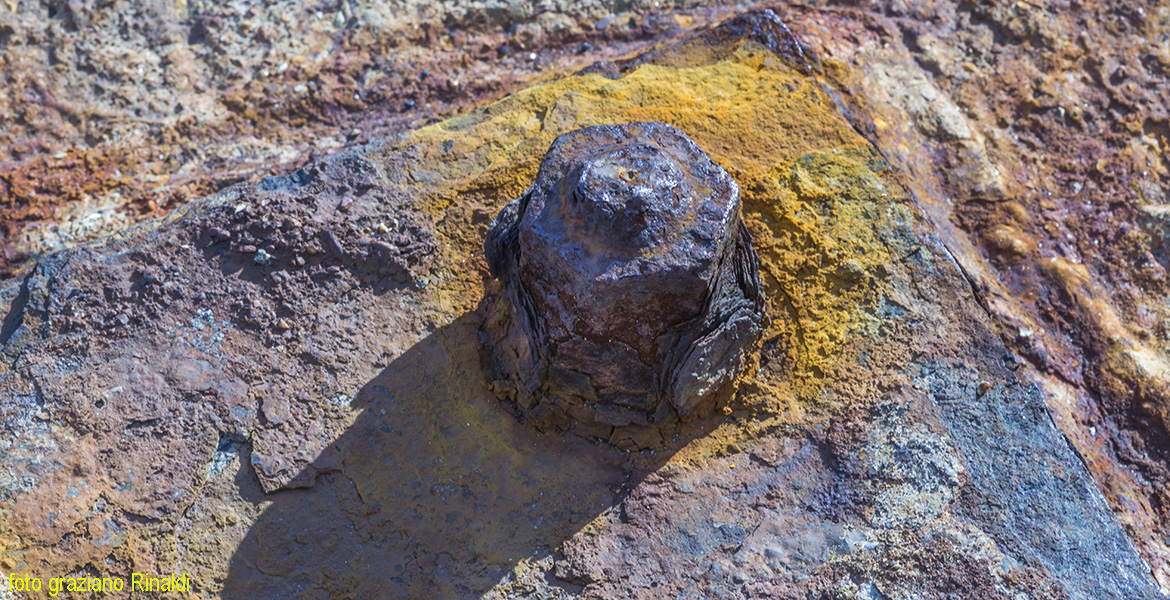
[{"x": 631, "y": 289}]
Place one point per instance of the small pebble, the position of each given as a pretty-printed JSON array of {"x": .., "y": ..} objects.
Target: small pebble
[
  {"x": 329, "y": 240},
  {"x": 262, "y": 257}
]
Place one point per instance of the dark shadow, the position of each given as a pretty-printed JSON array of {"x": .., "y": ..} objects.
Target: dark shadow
[
  {"x": 15, "y": 315},
  {"x": 15, "y": 324},
  {"x": 436, "y": 491}
]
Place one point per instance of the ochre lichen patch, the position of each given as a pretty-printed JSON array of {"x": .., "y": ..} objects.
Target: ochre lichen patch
[{"x": 811, "y": 187}]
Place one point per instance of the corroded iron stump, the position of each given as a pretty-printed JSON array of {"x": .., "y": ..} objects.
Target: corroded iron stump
[{"x": 630, "y": 288}]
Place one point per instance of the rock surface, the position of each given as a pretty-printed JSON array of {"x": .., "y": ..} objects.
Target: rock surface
[
  {"x": 117, "y": 111},
  {"x": 959, "y": 394}
]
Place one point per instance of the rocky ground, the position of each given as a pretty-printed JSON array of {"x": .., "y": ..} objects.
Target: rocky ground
[
  {"x": 958, "y": 209},
  {"x": 116, "y": 111}
]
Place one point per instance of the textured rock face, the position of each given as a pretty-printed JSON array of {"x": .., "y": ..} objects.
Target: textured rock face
[
  {"x": 317, "y": 422},
  {"x": 118, "y": 111},
  {"x": 631, "y": 287}
]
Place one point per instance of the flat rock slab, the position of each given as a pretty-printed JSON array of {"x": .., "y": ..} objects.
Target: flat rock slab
[{"x": 278, "y": 389}]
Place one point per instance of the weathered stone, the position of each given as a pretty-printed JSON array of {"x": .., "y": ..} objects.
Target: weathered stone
[
  {"x": 905, "y": 435},
  {"x": 629, "y": 276}
]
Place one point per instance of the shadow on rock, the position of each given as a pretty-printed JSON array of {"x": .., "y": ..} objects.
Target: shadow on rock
[{"x": 434, "y": 491}]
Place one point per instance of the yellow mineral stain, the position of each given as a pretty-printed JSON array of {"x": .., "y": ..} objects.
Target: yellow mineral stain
[{"x": 809, "y": 184}]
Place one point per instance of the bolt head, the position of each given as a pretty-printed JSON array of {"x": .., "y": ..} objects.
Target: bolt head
[{"x": 624, "y": 233}]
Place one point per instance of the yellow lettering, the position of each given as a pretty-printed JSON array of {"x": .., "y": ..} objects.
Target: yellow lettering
[{"x": 136, "y": 582}]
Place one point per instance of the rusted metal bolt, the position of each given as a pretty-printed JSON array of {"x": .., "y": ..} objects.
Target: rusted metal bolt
[{"x": 630, "y": 288}]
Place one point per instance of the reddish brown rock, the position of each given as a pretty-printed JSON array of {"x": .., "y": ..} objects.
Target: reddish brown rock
[{"x": 317, "y": 422}]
